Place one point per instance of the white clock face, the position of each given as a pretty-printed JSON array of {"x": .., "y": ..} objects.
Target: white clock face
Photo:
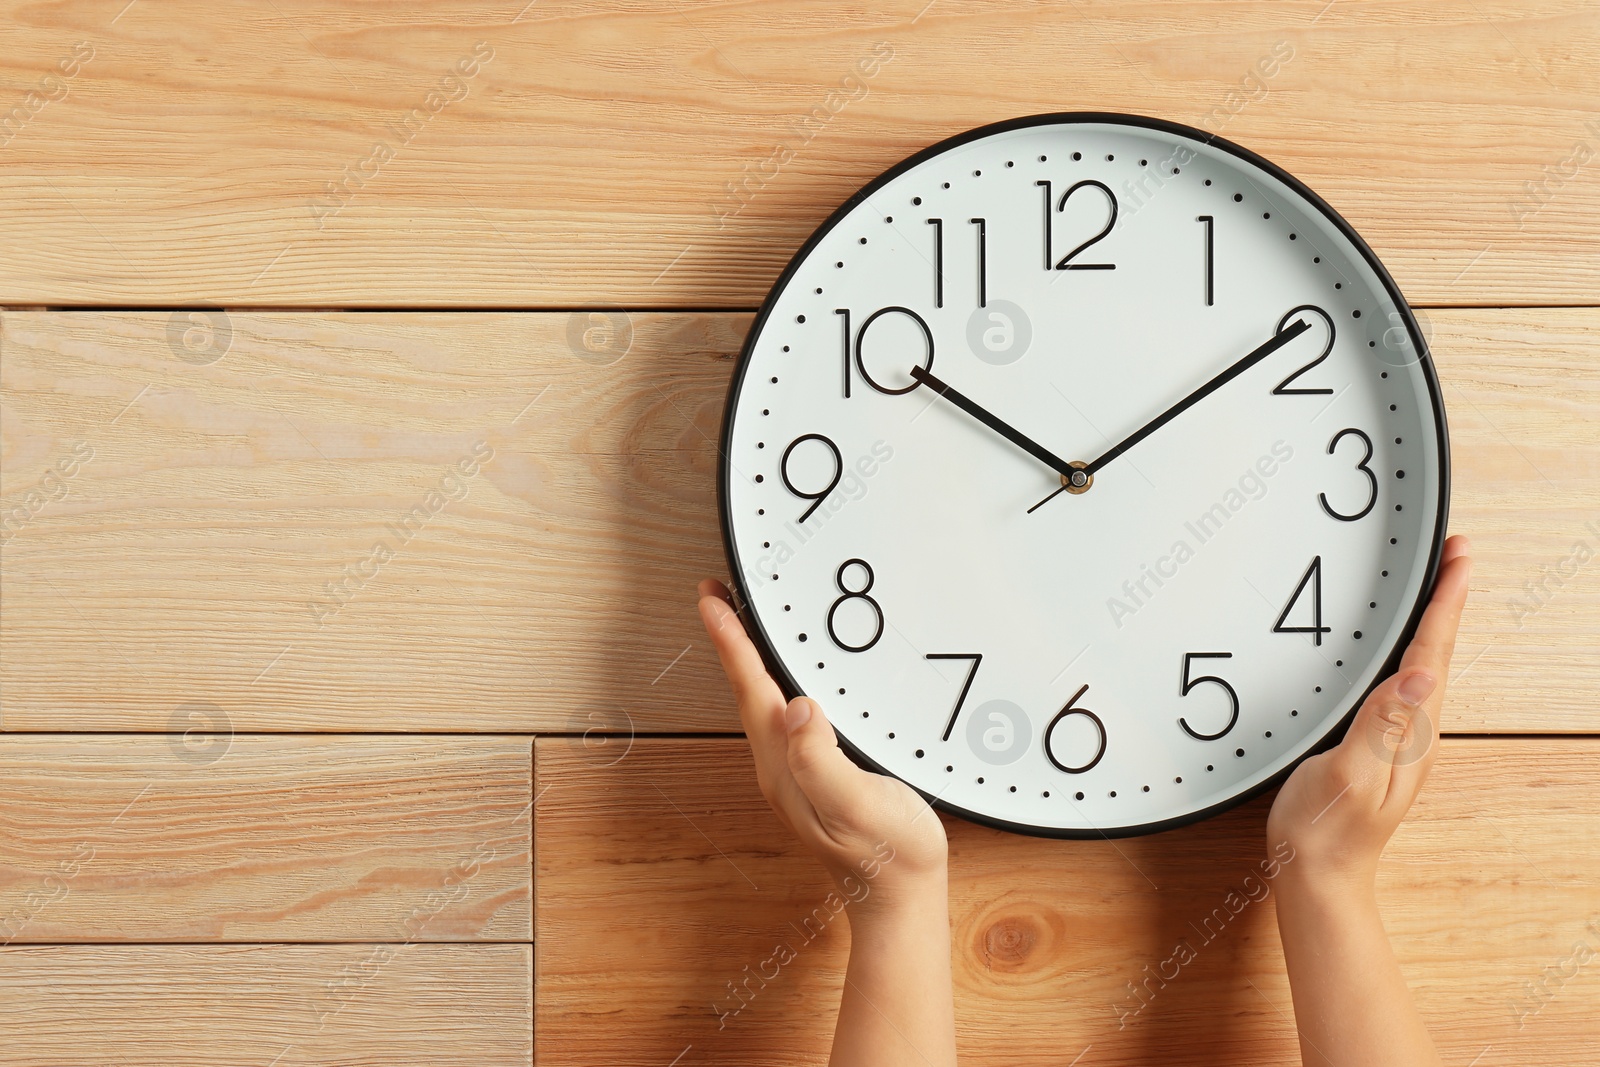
[{"x": 1120, "y": 298}]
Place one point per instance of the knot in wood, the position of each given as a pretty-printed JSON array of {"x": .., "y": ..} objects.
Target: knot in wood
[{"x": 1010, "y": 940}]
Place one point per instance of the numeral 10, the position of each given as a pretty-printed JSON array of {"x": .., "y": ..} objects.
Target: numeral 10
[{"x": 845, "y": 345}]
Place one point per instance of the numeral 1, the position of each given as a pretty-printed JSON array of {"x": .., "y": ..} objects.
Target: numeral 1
[
  {"x": 846, "y": 313},
  {"x": 1047, "y": 245},
  {"x": 1209, "y": 224},
  {"x": 983, "y": 262},
  {"x": 938, "y": 261}
]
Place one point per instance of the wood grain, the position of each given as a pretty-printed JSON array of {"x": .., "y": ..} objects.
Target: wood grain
[
  {"x": 216, "y": 837},
  {"x": 191, "y": 507},
  {"x": 1490, "y": 881},
  {"x": 190, "y": 558},
  {"x": 1524, "y": 416},
  {"x": 254, "y": 1005},
  {"x": 675, "y": 156}
]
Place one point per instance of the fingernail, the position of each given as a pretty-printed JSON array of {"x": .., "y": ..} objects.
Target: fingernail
[
  {"x": 719, "y": 612},
  {"x": 1416, "y": 687},
  {"x": 797, "y": 714}
]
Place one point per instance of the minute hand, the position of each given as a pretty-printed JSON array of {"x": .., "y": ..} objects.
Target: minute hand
[
  {"x": 1189, "y": 401},
  {"x": 983, "y": 415}
]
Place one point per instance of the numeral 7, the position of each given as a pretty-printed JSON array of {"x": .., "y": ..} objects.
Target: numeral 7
[{"x": 977, "y": 659}]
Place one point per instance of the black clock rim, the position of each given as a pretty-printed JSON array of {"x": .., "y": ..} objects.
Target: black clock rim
[{"x": 763, "y": 642}]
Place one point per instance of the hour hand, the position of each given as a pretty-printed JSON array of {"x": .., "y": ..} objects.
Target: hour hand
[{"x": 989, "y": 419}]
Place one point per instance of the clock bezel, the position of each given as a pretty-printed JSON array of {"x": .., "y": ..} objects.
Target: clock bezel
[{"x": 757, "y": 632}]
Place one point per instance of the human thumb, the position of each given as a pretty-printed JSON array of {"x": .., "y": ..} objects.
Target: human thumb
[
  {"x": 821, "y": 769},
  {"x": 1393, "y": 725}
]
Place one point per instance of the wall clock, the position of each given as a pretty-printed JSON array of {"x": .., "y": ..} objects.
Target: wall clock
[{"x": 1088, "y": 469}]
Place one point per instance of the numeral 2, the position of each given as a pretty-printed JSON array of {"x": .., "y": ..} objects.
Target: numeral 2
[{"x": 1282, "y": 388}]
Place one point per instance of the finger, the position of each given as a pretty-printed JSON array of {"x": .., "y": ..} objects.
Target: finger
[
  {"x": 1435, "y": 640},
  {"x": 824, "y": 773},
  {"x": 1426, "y": 661},
  {"x": 1391, "y": 742},
  {"x": 1416, "y": 746},
  {"x": 1392, "y": 732},
  {"x": 752, "y": 686},
  {"x": 1456, "y": 545},
  {"x": 761, "y": 706}
]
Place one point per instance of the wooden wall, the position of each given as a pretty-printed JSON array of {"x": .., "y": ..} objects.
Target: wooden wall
[{"x": 493, "y": 807}]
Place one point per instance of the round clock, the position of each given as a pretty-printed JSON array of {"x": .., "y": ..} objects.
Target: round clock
[{"x": 1089, "y": 469}]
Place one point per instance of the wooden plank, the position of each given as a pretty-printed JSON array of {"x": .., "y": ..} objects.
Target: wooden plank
[
  {"x": 216, "y": 837},
  {"x": 1525, "y": 440},
  {"x": 253, "y": 1005},
  {"x": 550, "y": 594},
  {"x": 655, "y": 154},
  {"x": 1489, "y": 883},
  {"x": 190, "y": 558}
]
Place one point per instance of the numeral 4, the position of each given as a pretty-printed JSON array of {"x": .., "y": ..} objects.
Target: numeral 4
[{"x": 1313, "y": 577}]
